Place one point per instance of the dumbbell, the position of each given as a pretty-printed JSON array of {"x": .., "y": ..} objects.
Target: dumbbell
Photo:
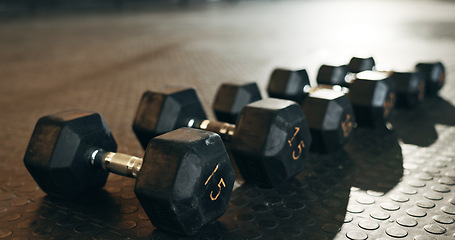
[
  {"x": 270, "y": 141},
  {"x": 360, "y": 64},
  {"x": 231, "y": 98},
  {"x": 372, "y": 94},
  {"x": 434, "y": 75},
  {"x": 329, "y": 112},
  {"x": 409, "y": 86},
  {"x": 183, "y": 182},
  {"x": 412, "y": 86}
]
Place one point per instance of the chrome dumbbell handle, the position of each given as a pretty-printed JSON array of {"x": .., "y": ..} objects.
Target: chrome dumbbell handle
[
  {"x": 118, "y": 163},
  {"x": 225, "y": 130}
]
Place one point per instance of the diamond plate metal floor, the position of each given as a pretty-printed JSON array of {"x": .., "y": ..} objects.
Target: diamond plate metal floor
[{"x": 382, "y": 185}]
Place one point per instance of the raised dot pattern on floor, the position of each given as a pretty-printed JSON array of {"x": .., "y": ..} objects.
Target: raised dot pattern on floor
[{"x": 256, "y": 213}]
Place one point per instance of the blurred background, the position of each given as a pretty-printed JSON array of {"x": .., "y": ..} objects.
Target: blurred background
[{"x": 101, "y": 55}]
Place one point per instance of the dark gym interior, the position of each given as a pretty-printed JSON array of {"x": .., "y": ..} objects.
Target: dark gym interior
[{"x": 101, "y": 56}]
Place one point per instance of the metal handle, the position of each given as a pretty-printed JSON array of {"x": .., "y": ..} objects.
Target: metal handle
[
  {"x": 118, "y": 163},
  {"x": 225, "y": 130}
]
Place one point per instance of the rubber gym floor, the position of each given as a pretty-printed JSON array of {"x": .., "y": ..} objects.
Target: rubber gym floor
[{"x": 101, "y": 56}]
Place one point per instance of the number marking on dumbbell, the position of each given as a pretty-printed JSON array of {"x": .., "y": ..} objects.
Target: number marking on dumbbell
[
  {"x": 388, "y": 104},
  {"x": 221, "y": 182},
  {"x": 300, "y": 146},
  {"x": 421, "y": 90},
  {"x": 347, "y": 125},
  {"x": 442, "y": 77}
]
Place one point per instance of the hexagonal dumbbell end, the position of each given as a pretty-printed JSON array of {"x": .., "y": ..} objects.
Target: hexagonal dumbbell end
[
  {"x": 434, "y": 75},
  {"x": 164, "y": 111},
  {"x": 289, "y": 84},
  {"x": 271, "y": 141},
  {"x": 231, "y": 98},
  {"x": 185, "y": 181},
  {"x": 358, "y": 64},
  {"x": 57, "y": 154},
  {"x": 330, "y": 118},
  {"x": 333, "y": 75},
  {"x": 409, "y": 88},
  {"x": 373, "y": 97}
]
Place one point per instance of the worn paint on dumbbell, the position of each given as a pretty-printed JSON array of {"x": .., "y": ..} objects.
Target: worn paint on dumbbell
[
  {"x": 347, "y": 125},
  {"x": 388, "y": 104},
  {"x": 300, "y": 146},
  {"x": 219, "y": 184}
]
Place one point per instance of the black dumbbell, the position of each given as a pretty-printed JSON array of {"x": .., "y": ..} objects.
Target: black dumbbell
[
  {"x": 410, "y": 87},
  {"x": 231, "y": 98},
  {"x": 434, "y": 75},
  {"x": 371, "y": 93},
  {"x": 329, "y": 112},
  {"x": 360, "y": 64},
  {"x": 270, "y": 141},
  {"x": 183, "y": 182}
]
